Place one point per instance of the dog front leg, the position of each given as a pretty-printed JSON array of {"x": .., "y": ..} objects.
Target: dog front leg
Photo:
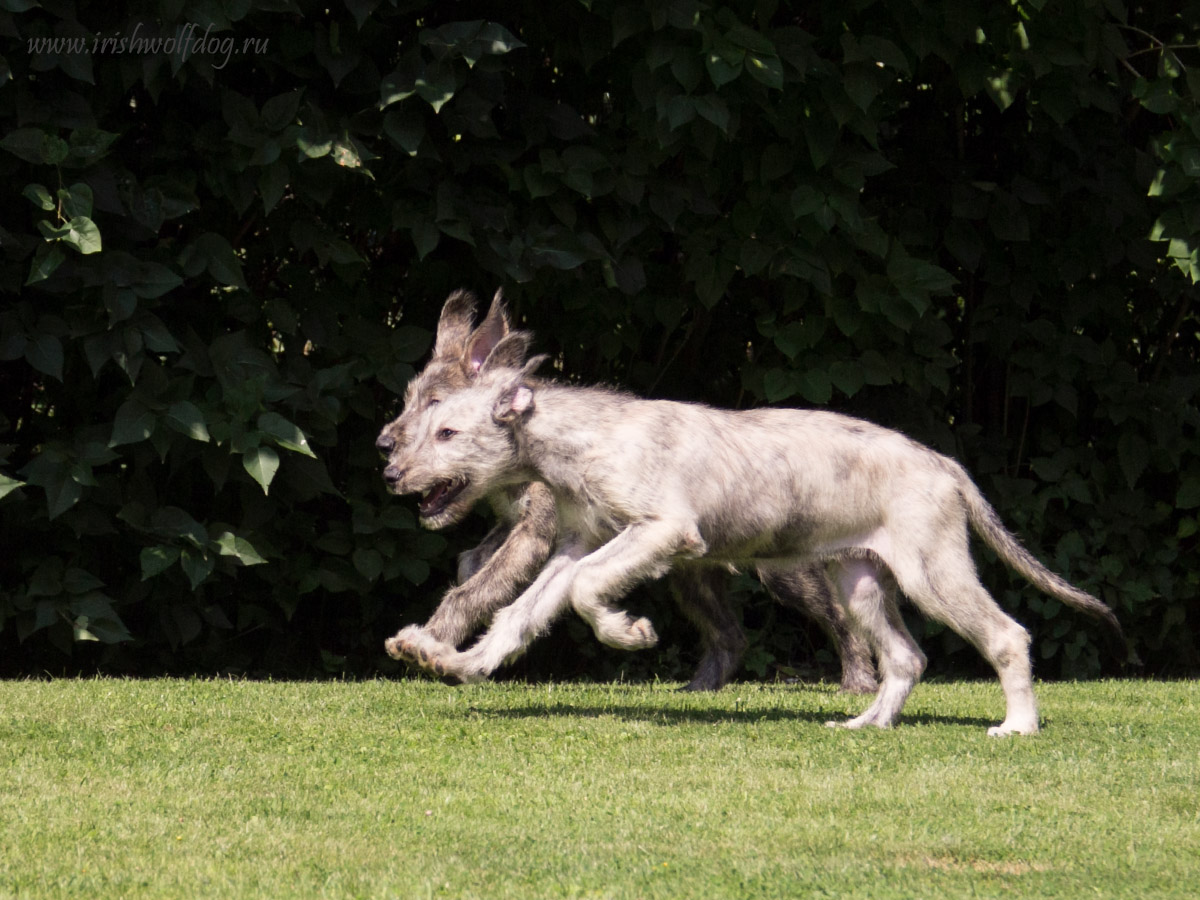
[
  {"x": 479, "y": 591},
  {"x": 587, "y": 583},
  {"x": 515, "y": 626},
  {"x": 642, "y": 550},
  {"x": 490, "y": 577}
]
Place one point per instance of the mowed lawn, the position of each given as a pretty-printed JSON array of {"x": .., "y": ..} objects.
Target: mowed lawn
[{"x": 411, "y": 789}]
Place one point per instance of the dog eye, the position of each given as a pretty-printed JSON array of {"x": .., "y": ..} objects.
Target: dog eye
[
  {"x": 446, "y": 433},
  {"x": 432, "y": 401}
]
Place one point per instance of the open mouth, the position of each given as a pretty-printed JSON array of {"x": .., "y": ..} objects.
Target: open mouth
[{"x": 440, "y": 496}]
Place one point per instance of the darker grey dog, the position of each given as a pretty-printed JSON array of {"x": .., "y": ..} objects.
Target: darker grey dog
[
  {"x": 645, "y": 486},
  {"x": 494, "y": 573}
]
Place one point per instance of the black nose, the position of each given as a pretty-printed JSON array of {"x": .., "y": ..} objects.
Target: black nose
[
  {"x": 385, "y": 442},
  {"x": 393, "y": 474}
]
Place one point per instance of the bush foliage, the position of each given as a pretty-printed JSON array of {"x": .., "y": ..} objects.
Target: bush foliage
[{"x": 227, "y": 229}]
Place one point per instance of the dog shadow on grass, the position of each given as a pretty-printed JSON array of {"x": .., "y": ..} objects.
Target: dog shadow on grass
[{"x": 733, "y": 714}]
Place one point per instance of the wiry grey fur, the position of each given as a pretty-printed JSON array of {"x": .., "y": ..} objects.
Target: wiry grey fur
[
  {"x": 642, "y": 486},
  {"x": 493, "y": 574}
]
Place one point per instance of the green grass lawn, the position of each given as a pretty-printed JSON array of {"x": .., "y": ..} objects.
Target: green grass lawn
[{"x": 231, "y": 789}]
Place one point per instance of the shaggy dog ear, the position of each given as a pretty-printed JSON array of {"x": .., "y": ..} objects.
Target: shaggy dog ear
[
  {"x": 454, "y": 325},
  {"x": 533, "y": 365},
  {"x": 509, "y": 352},
  {"x": 517, "y": 398},
  {"x": 514, "y": 402},
  {"x": 494, "y": 328},
  {"x": 498, "y": 311}
]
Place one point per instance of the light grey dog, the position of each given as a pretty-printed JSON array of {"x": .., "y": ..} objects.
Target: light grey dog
[
  {"x": 494, "y": 573},
  {"x": 642, "y": 486}
]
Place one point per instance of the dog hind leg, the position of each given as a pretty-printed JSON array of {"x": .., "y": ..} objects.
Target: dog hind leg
[
  {"x": 944, "y": 585},
  {"x": 700, "y": 592},
  {"x": 807, "y": 589},
  {"x": 975, "y": 615},
  {"x": 868, "y": 596}
]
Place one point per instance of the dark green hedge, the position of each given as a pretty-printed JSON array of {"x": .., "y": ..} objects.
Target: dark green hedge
[{"x": 974, "y": 221}]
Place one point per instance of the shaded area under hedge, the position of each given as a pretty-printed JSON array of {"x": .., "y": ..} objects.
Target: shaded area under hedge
[{"x": 972, "y": 222}]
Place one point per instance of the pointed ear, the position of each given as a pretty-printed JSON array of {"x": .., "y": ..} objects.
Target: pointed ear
[
  {"x": 509, "y": 352},
  {"x": 514, "y": 402},
  {"x": 533, "y": 365},
  {"x": 454, "y": 325},
  {"x": 499, "y": 310},
  {"x": 487, "y": 336}
]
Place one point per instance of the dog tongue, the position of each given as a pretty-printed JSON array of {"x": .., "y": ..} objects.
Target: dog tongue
[{"x": 435, "y": 494}]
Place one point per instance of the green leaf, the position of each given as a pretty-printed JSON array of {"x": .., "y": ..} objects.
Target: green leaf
[
  {"x": 8, "y": 485},
  {"x": 313, "y": 146},
  {"x": 262, "y": 463},
  {"x": 61, "y": 494},
  {"x": 106, "y": 630},
  {"x": 229, "y": 544},
  {"x": 76, "y": 201},
  {"x": 35, "y": 146},
  {"x": 415, "y": 570},
  {"x": 346, "y": 152},
  {"x": 816, "y": 387},
  {"x": 847, "y": 377},
  {"x": 469, "y": 40},
  {"x": 1188, "y": 496},
  {"x": 272, "y": 183},
  {"x": 1007, "y": 218},
  {"x": 436, "y": 85},
  {"x": 408, "y": 343},
  {"x": 369, "y": 563},
  {"x": 39, "y": 196},
  {"x": 157, "y": 338},
  {"x": 121, "y": 303},
  {"x": 80, "y": 581},
  {"x": 83, "y": 235},
  {"x": 81, "y": 633},
  {"x": 720, "y": 70},
  {"x": 767, "y": 69},
  {"x": 156, "y": 560},
  {"x": 361, "y": 10},
  {"x": 1133, "y": 453},
  {"x": 148, "y": 280},
  {"x": 806, "y": 200},
  {"x": 284, "y": 433},
  {"x": 47, "y": 258},
  {"x": 280, "y": 111},
  {"x": 715, "y": 110},
  {"x": 171, "y": 521},
  {"x": 406, "y": 131},
  {"x": 197, "y": 566},
  {"x": 186, "y": 418},
  {"x": 495, "y": 39},
  {"x": 861, "y": 83},
  {"x": 133, "y": 423},
  {"x": 45, "y": 353},
  {"x": 88, "y": 144},
  {"x": 213, "y": 253},
  {"x": 778, "y": 385}
]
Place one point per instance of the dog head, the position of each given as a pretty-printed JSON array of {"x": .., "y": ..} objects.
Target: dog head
[
  {"x": 422, "y": 453},
  {"x": 458, "y": 354}
]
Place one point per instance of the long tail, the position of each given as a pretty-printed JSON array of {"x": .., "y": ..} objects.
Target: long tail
[{"x": 988, "y": 526}]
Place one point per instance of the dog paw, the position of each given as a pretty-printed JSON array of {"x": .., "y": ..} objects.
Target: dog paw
[
  {"x": 642, "y": 635},
  {"x": 624, "y": 633},
  {"x": 403, "y": 644},
  {"x": 414, "y": 646}
]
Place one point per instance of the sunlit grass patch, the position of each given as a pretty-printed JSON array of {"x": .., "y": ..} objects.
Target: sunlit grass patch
[{"x": 169, "y": 788}]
